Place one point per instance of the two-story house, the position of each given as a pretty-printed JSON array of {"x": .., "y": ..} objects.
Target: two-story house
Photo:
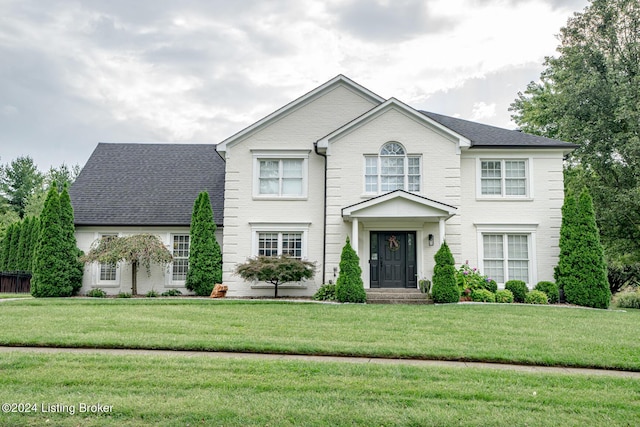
[{"x": 343, "y": 162}]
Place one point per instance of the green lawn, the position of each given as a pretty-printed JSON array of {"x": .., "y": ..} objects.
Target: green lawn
[
  {"x": 8, "y": 296},
  {"x": 189, "y": 391},
  {"x": 501, "y": 333}
]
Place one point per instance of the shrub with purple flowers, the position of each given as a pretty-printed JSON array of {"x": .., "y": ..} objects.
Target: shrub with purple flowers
[{"x": 471, "y": 278}]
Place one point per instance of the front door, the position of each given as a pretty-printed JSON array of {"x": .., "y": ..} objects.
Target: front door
[{"x": 393, "y": 259}]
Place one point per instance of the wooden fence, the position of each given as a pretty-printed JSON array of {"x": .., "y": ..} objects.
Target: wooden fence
[{"x": 15, "y": 282}]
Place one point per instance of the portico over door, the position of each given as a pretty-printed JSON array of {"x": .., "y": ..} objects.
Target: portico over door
[{"x": 393, "y": 259}]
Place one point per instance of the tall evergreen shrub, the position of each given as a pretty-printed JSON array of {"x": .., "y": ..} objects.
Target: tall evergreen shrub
[
  {"x": 349, "y": 286},
  {"x": 205, "y": 256},
  {"x": 565, "y": 272},
  {"x": 23, "y": 245},
  {"x": 12, "y": 234},
  {"x": 33, "y": 242},
  {"x": 50, "y": 276},
  {"x": 445, "y": 289},
  {"x": 584, "y": 272},
  {"x": 72, "y": 253}
]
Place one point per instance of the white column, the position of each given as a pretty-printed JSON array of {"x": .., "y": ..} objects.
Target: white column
[
  {"x": 441, "y": 230},
  {"x": 354, "y": 235}
]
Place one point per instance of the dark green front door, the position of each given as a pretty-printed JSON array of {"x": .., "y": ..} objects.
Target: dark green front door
[{"x": 393, "y": 259}]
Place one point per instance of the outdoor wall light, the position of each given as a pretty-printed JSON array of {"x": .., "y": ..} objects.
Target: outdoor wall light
[{"x": 430, "y": 239}]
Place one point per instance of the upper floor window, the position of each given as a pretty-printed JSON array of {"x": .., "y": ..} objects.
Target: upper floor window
[
  {"x": 500, "y": 178},
  {"x": 392, "y": 169},
  {"x": 280, "y": 174}
]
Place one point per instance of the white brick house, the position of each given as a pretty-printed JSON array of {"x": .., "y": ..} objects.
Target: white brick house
[{"x": 342, "y": 161}]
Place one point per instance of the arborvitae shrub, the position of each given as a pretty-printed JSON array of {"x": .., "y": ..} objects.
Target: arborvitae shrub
[
  {"x": 581, "y": 272},
  {"x": 50, "y": 276},
  {"x": 551, "y": 289},
  {"x": 536, "y": 297},
  {"x": 444, "y": 289},
  {"x": 482, "y": 295},
  {"x": 71, "y": 253},
  {"x": 349, "y": 286},
  {"x": 504, "y": 296},
  {"x": 518, "y": 288},
  {"x": 205, "y": 257}
]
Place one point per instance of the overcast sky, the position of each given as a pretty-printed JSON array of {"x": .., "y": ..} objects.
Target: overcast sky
[{"x": 75, "y": 73}]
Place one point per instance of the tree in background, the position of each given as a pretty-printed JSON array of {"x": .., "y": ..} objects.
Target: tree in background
[
  {"x": 137, "y": 250},
  {"x": 581, "y": 271},
  {"x": 445, "y": 289},
  {"x": 590, "y": 95},
  {"x": 71, "y": 253},
  {"x": 276, "y": 270},
  {"x": 50, "y": 276},
  {"x": 349, "y": 286},
  {"x": 19, "y": 180},
  {"x": 205, "y": 257}
]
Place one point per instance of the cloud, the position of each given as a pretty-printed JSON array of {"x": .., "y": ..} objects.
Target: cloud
[{"x": 388, "y": 21}]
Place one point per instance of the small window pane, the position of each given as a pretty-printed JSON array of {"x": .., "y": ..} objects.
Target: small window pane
[
  {"x": 292, "y": 244},
  {"x": 514, "y": 168},
  {"x": 268, "y": 244},
  {"x": 491, "y": 169},
  {"x": 392, "y": 149}
]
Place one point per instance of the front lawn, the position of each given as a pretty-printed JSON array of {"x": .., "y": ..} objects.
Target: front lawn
[
  {"x": 497, "y": 333},
  {"x": 189, "y": 391}
]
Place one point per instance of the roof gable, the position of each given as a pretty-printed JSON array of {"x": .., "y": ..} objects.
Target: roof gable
[
  {"x": 399, "y": 204},
  {"x": 303, "y": 100},
  {"x": 392, "y": 103},
  {"x": 147, "y": 184}
]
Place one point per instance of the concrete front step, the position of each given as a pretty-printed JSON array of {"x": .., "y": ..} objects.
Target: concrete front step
[{"x": 396, "y": 296}]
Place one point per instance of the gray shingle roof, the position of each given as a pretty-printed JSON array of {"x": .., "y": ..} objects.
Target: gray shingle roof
[
  {"x": 147, "y": 184},
  {"x": 486, "y": 136}
]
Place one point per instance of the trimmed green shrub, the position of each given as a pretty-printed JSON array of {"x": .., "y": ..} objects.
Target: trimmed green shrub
[
  {"x": 123, "y": 295},
  {"x": 536, "y": 297},
  {"x": 326, "y": 293},
  {"x": 97, "y": 293},
  {"x": 171, "y": 293},
  {"x": 349, "y": 286},
  {"x": 551, "y": 289},
  {"x": 518, "y": 288},
  {"x": 71, "y": 255},
  {"x": 445, "y": 288},
  {"x": 581, "y": 272},
  {"x": 482, "y": 295},
  {"x": 50, "y": 277},
  {"x": 628, "y": 299},
  {"x": 205, "y": 257},
  {"x": 504, "y": 296}
]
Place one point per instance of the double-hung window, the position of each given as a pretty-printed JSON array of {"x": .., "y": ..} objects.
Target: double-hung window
[
  {"x": 506, "y": 257},
  {"x": 280, "y": 243},
  {"x": 504, "y": 178},
  {"x": 392, "y": 169},
  {"x": 280, "y": 174},
  {"x": 107, "y": 272},
  {"x": 180, "y": 257}
]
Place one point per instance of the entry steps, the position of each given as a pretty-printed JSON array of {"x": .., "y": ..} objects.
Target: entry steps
[{"x": 396, "y": 296}]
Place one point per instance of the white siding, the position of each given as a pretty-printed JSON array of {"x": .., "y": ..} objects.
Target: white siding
[
  {"x": 296, "y": 130},
  {"x": 160, "y": 278}
]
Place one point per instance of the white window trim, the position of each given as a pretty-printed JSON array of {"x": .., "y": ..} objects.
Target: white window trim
[
  {"x": 106, "y": 283},
  {"x": 170, "y": 282},
  {"x": 280, "y": 155},
  {"x": 528, "y": 162},
  {"x": 379, "y": 170},
  {"x": 257, "y": 228},
  {"x": 528, "y": 229}
]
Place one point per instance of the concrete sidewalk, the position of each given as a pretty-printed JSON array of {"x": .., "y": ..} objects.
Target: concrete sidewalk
[{"x": 338, "y": 359}]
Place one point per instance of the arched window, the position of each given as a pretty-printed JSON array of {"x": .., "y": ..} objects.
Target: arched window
[{"x": 392, "y": 169}]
